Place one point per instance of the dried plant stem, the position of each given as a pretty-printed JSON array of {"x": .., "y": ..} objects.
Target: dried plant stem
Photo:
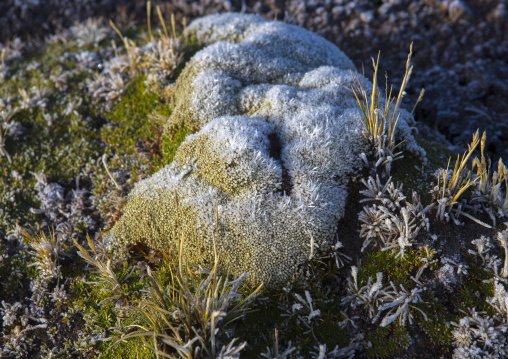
[
  {"x": 460, "y": 180},
  {"x": 148, "y": 13},
  {"x": 377, "y": 122},
  {"x": 109, "y": 173}
]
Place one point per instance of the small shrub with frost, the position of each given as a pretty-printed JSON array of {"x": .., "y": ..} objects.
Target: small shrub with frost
[
  {"x": 391, "y": 222},
  {"x": 303, "y": 310},
  {"x": 322, "y": 352},
  {"x": 9, "y": 313},
  {"x": 276, "y": 351},
  {"x": 89, "y": 32},
  {"x": 367, "y": 296},
  {"x": 490, "y": 261},
  {"x": 400, "y": 305},
  {"x": 451, "y": 184},
  {"x": 395, "y": 302},
  {"x": 45, "y": 250},
  {"x": 482, "y": 248},
  {"x": 490, "y": 193},
  {"x": 478, "y": 335}
]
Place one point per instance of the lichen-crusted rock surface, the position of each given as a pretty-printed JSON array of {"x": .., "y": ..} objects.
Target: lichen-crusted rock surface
[{"x": 278, "y": 139}]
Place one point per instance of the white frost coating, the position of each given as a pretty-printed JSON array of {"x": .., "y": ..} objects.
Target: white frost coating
[{"x": 279, "y": 139}]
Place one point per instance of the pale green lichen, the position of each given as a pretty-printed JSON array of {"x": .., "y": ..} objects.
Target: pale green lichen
[{"x": 278, "y": 141}]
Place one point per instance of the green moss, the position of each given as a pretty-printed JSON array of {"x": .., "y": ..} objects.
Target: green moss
[
  {"x": 437, "y": 325},
  {"x": 170, "y": 145},
  {"x": 130, "y": 117},
  {"x": 101, "y": 314},
  {"x": 388, "y": 341},
  {"x": 129, "y": 350},
  {"x": 437, "y": 154},
  {"x": 477, "y": 287},
  {"x": 398, "y": 270},
  {"x": 133, "y": 122}
]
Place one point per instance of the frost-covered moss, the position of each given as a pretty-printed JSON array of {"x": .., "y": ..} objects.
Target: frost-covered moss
[{"x": 278, "y": 142}]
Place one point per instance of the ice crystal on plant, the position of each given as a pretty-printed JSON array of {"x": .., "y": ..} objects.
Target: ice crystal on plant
[
  {"x": 503, "y": 240},
  {"x": 368, "y": 295},
  {"x": 480, "y": 336},
  {"x": 304, "y": 310},
  {"x": 90, "y": 32},
  {"x": 399, "y": 304},
  {"x": 483, "y": 246},
  {"x": 375, "y": 299},
  {"x": 391, "y": 222},
  {"x": 9, "y": 311},
  {"x": 348, "y": 352}
]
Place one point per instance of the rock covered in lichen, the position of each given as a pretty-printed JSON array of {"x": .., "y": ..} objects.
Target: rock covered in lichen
[{"x": 278, "y": 139}]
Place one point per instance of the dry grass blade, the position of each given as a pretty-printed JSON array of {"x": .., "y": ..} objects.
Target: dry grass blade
[
  {"x": 2, "y": 58},
  {"x": 174, "y": 318},
  {"x": 374, "y": 101},
  {"x": 130, "y": 46},
  {"x": 378, "y": 122},
  {"x": 395, "y": 116},
  {"x": 108, "y": 279},
  {"x": 3, "y": 151},
  {"x": 6, "y": 119},
  {"x": 489, "y": 187},
  {"x": 148, "y": 14},
  {"x": 483, "y": 167},
  {"x": 369, "y": 119},
  {"x": 461, "y": 177},
  {"x": 45, "y": 250},
  {"x": 420, "y": 97}
]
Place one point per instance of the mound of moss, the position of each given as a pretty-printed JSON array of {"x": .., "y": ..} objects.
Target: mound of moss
[{"x": 277, "y": 142}]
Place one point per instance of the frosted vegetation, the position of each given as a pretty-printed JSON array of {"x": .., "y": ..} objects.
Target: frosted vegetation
[
  {"x": 278, "y": 142},
  {"x": 234, "y": 188}
]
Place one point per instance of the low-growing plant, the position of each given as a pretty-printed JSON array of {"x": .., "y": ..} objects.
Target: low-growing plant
[
  {"x": 451, "y": 184},
  {"x": 488, "y": 192},
  {"x": 379, "y": 124},
  {"x": 392, "y": 222},
  {"x": 108, "y": 280},
  {"x": 276, "y": 352},
  {"x": 184, "y": 316},
  {"x": 45, "y": 249}
]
